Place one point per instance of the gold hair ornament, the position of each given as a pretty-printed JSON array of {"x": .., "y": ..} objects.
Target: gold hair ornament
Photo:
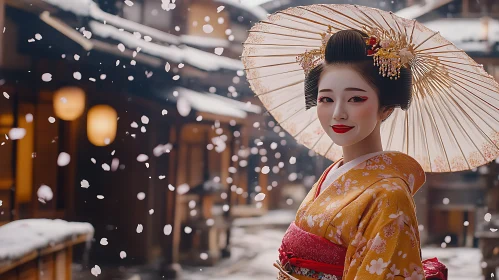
[{"x": 389, "y": 50}]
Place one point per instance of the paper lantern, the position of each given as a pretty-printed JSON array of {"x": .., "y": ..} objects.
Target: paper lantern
[
  {"x": 101, "y": 125},
  {"x": 69, "y": 103}
]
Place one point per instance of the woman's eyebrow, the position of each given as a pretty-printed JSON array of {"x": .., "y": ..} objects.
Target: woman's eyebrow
[{"x": 347, "y": 89}]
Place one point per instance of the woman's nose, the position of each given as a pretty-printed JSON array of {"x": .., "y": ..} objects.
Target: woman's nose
[{"x": 339, "y": 113}]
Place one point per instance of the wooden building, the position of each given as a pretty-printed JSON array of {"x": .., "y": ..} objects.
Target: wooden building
[{"x": 172, "y": 129}]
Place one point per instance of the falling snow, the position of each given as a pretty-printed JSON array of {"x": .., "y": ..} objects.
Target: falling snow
[
  {"x": 219, "y": 51},
  {"x": 63, "y": 159},
  {"x": 140, "y": 228},
  {"x": 17, "y": 133},
  {"x": 47, "y": 77},
  {"x": 84, "y": 184}
]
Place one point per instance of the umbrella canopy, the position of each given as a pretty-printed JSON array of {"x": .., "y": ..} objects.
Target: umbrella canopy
[{"x": 452, "y": 123}]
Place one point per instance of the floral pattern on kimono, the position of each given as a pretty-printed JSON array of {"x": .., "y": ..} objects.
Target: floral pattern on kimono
[
  {"x": 386, "y": 244},
  {"x": 370, "y": 211}
]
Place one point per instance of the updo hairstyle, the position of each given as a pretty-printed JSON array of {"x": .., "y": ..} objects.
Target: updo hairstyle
[{"x": 348, "y": 47}]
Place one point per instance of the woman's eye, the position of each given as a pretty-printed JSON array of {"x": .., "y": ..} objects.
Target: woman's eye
[
  {"x": 355, "y": 99},
  {"x": 325, "y": 99},
  {"x": 358, "y": 99}
]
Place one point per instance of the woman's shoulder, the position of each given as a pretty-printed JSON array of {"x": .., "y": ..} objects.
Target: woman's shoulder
[{"x": 391, "y": 191}]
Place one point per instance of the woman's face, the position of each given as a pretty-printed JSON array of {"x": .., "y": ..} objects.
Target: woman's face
[{"x": 345, "y": 98}]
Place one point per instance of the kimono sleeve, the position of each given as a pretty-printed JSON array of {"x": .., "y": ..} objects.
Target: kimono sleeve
[{"x": 386, "y": 245}]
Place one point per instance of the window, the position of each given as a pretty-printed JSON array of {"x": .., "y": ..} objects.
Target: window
[{"x": 202, "y": 13}]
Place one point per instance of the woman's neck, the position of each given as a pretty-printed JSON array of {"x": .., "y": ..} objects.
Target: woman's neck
[{"x": 370, "y": 144}]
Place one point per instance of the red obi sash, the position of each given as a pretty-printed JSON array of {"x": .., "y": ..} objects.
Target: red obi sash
[
  {"x": 303, "y": 249},
  {"x": 306, "y": 250}
]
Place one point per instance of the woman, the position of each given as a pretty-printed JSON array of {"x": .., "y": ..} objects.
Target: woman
[{"x": 359, "y": 220}]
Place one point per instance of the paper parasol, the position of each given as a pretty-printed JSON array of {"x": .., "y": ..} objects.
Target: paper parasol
[{"x": 452, "y": 123}]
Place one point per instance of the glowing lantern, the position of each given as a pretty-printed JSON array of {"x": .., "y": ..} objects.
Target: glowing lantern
[
  {"x": 69, "y": 103},
  {"x": 101, "y": 125}
]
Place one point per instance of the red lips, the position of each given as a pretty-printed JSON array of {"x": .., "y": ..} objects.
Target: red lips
[{"x": 341, "y": 128}]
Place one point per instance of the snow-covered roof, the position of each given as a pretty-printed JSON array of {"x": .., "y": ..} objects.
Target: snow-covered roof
[
  {"x": 78, "y": 7},
  {"x": 111, "y": 29},
  {"x": 197, "y": 58},
  {"x": 471, "y": 32},
  {"x": 415, "y": 11},
  {"x": 215, "y": 104},
  {"x": 21, "y": 237},
  {"x": 204, "y": 42},
  {"x": 257, "y": 11}
]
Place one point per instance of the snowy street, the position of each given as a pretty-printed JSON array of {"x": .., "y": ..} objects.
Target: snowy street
[{"x": 255, "y": 250}]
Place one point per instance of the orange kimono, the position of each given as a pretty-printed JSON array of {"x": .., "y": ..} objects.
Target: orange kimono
[{"x": 363, "y": 226}]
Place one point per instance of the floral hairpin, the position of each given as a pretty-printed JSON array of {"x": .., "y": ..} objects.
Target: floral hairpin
[{"x": 389, "y": 50}]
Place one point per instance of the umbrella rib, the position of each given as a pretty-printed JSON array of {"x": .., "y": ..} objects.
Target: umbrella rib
[
  {"x": 275, "y": 74},
  {"x": 424, "y": 131},
  {"x": 464, "y": 130},
  {"x": 454, "y": 62},
  {"x": 452, "y": 51},
  {"x": 442, "y": 146},
  {"x": 458, "y": 77},
  {"x": 328, "y": 18},
  {"x": 424, "y": 106},
  {"x": 302, "y": 18},
  {"x": 483, "y": 133},
  {"x": 291, "y": 28},
  {"x": 412, "y": 31},
  {"x": 483, "y": 83},
  {"x": 270, "y": 65},
  {"x": 413, "y": 128},
  {"x": 443, "y": 58},
  {"x": 289, "y": 100},
  {"x": 423, "y": 126},
  {"x": 425, "y": 40},
  {"x": 432, "y": 48},
  {"x": 456, "y": 69},
  {"x": 279, "y": 45},
  {"x": 358, "y": 23},
  {"x": 366, "y": 15},
  {"x": 279, "y": 88},
  {"x": 480, "y": 108},
  {"x": 286, "y": 35},
  {"x": 303, "y": 129},
  {"x": 384, "y": 19},
  {"x": 436, "y": 104},
  {"x": 292, "y": 115},
  {"x": 397, "y": 24},
  {"x": 318, "y": 140},
  {"x": 273, "y": 55},
  {"x": 478, "y": 128},
  {"x": 329, "y": 148}
]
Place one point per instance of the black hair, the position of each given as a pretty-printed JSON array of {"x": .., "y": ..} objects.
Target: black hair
[{"x": 348, "y": 47}]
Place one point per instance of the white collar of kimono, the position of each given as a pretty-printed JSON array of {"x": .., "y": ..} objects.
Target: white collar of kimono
[
  {"x": 335, "y": 172},
  {"x": 406, "y": 168}
]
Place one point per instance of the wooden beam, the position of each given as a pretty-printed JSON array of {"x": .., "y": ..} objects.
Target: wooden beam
[
  {"x": 466, "y": 8},
  {"x": 2, "y": 26},
  {"x": 43, "y": 252}
]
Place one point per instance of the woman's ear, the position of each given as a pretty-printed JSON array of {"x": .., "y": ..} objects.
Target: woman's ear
[{"x": 387, "y": 111}]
